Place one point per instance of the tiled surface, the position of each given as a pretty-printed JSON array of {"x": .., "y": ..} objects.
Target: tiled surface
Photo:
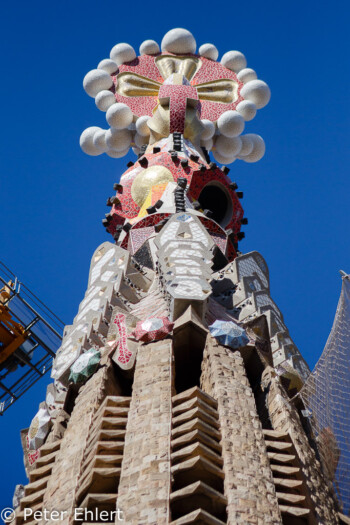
[
  {"x": 153, "y": 329},
  {"x": 209, "y": 71},
  {"x": 124, "y": 354},
  {"x": 196, "y": 181}
]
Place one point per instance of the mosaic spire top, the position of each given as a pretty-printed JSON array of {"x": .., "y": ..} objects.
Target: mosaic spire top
[{"x": 174, "y": 88}]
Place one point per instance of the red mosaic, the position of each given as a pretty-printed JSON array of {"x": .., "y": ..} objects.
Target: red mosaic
[
  {"x": 153, "y": 329},
  {"x": 33, "y": 455},
  {"x": 178, "y": 96},
  {"x": 124, "y": 354},
  {"x": 209, "y": 71}
]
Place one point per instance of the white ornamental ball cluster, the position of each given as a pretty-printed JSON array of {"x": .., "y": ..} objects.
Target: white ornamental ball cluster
[
  {"x": 119, "y": 116},
  {"x": 96, "y": 81},
  {"x": 222, "y": 159},
  {"x": 117, "y": 154},
  {"x": 122, "y": 53},
  {"x": 257, "y": 92},
  {"x": 108, "y": 65},
  {"x": 104, "y": 100},
  {"x": 208, "y": 51},
  {"x": 228, "y": 147},
  {"x": 246, "y": 75},
  {"x": 115, "y": 143},
  {"x": 225, "y": 138},
  {"x": 246, "y": 109},
  {"x": 178, "y": 41},
  {"x": 249, "y": 148},
  {"x": 247, "y": 145},
  {"x": 209, "y": 129},
  {"x": 118, "y": 139},
  {"x": 234, "y": 60},
  {"x": 149, "y": 47},
  {"x": 142, "y": 127},
  {"x": 99, "y": 141},
  {"x": 86, "y": 141},
  {"x": 258, "y": 149},
  {"x": 230, "y": 124},
  {"x": 139, "y": 140}
]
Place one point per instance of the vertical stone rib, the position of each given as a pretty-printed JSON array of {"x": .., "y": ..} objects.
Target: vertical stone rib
[
  {"x": 145, "y": 481},
  {"x": 62, "y": 485},
  {"x": 248, "y": 481},
  {"x": 285, "y": 418}
]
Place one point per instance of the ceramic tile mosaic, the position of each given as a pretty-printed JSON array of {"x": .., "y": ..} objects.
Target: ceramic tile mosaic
[{"x": 209, "y": 71}]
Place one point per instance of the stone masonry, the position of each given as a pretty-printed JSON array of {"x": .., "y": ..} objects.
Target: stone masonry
[
  {"x": 62, "y": 485},
  {"x": 248, "y": 480},
  {"x": 284, "y": 417},
  {"x": 145, "y": 481}
]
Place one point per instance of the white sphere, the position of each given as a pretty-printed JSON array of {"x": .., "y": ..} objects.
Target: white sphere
[
  {"x": 247, "y": 145},
  {"x": 209, "y": 129},
  {"x": 104, "y": 100},
  {"x": 97, "y": 80},
  {"x": 117, "y": 154},
  {"x": 121, "y": 53},
  {"x": 234, "y": 60},
  {"x": 135, "y": 150},
  {"x": 86, "y": 141},
  {"x": 141, "y": 126},
  {"x": 119, "y": 116},
  {"x": 246, "y": 75},
  {"x": 99, "y": 140},
  {"x": 257, "y": 91},
  {"x": 118, "y": 139},
  {"x": 247, "y": 109},
  {"x": 149, "y": 47},
  {"x": 228, "y": 147},
  {"x": 207, "y": 144},
  {"x": 258, "y": 149},
  {"x": 178, "y": 41},
  {"x": 140, "y": 140},
  {"x": 108, "y": 65},
  {"x": 208, "y": 51},
  {"x": 230, "y": 124},
  {"x": 222, "y": 159}
]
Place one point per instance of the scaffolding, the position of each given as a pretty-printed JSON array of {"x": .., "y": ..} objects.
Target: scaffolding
[
  {"x": 326, "y": 396},
  {"x": 30, "y": 334}
]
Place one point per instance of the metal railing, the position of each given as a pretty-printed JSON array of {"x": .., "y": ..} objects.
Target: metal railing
[{"x": 43, "y": 329}]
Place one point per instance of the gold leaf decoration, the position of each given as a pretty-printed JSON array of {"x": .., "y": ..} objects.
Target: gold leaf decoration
[
  {"x": 186, "y": 66},
  {"x": 223, "y": 90},
  {"x": 134, "y": 85}
]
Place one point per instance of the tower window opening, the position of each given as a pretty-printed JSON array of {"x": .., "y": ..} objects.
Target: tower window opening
[
  {"x": 189, "y": 343},
  {"x": 215, "y": 197}
]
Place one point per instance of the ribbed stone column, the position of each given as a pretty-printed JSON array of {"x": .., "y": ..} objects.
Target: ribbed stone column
[
  {"x": 144, "y": 487},
  {"x": 285, "y": 418},
  {"x": 248, "y": 482},
  {"x": 63, "y": 482}
]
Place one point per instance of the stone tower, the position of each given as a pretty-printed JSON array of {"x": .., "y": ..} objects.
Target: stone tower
[{"x": 171, "y": 399}]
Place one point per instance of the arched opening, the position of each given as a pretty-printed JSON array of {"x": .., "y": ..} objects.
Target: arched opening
[{"x": 216, "y": 198}]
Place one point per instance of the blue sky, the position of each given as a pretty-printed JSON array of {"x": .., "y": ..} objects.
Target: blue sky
[{"x": 53, "y": 196}]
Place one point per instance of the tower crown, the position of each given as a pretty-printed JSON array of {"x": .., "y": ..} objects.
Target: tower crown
[{"x": 175, "y": 89}]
